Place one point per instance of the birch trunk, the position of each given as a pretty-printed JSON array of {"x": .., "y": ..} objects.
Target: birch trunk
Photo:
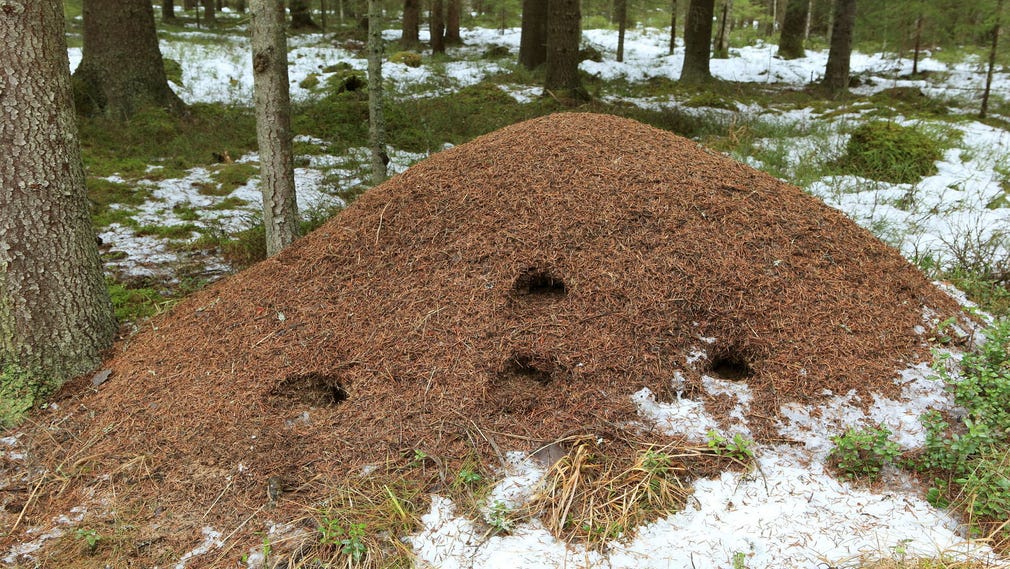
[{"x": 273, "y": 123}]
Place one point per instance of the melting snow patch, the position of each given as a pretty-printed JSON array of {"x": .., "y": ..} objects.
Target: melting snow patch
[
  {"x": 211, "y": 540},
  {"x": 680, "y": 417}
]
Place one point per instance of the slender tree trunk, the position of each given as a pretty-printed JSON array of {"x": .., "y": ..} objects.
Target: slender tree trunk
[
  {"x": 167, "y": 10},
  {"x": 55, "y": 314},
  {"x": 621, "y": 13},
  {"x": 409, "y": 39},
  {"x": 810, "y": 11},
  {"x": 698, "y": 41},
  {"x": 322, "y": 14},
  {"x": 721, "y": 41},
  {"x": 437, "y": 26},
  {"x": 240, "y": 6},
  {"x": 273, "y": 123},
  {"x": 533, "y": 40},
  {"x": 673, "y": 26},
  {"x": 376, "y": 121},
  {"x": 992, "y": 61},
  {"x": 836, "y": 73},
  {"x": 121, "y": 70},
  {"x": 452, "y": 13},
  {"x": 918, "y": 45},
  {"x": 791, "y": 40},
  {"x": 188, "y": 4},
  {"x": 564, "y": 33}
]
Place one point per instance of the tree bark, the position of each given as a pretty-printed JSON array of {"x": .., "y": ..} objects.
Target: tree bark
[
  {"x": 167, "y": 10},
  {"x": 564, "y": 33},
  {"x": 376, "y": 120},
  {"x": 621, "y": 13},
  {"x": 918, "y": 44},
  {"x": 697, "y": 41},
  {"x": 533, "y": 39},
  {"x": 273, "y": 123},
  {"x": 992, "y": 61},
  {"x": 673, "y": 26},
  {"x": 794, "y": 29},
  {"x": 210, "y": 12},
  {"x": 55, "y": 314},
  {"x": 121, "y": 70},
  {"x": 410, "y": 39},
  {"x": 301, "y": 17},
  {"x": 722, "y": 40},
  {"x": 437, "y": 26},
  {"x": 452, "y": 12},
  {"x": 836, "y": 73}
]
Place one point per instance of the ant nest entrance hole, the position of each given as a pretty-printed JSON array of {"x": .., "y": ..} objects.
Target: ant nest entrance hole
[
  {"x": 526, "y": 367},
  {"x": 730, "y": 365},
  {"x": 313, "y": 389},
  {"x": 536, "y": 281}
]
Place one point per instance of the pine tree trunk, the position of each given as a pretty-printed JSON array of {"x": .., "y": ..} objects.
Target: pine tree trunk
[
  {"x": 533, "y": 40},
  {"x": 121, "y": 70},
  {"x": 721, "y": 41},
  {"x": 209, "y": 12},
  {"x": 992, "y": 61},
  {"x": 793, "y": 29},
  {"x": 918, "y": 45},
  {"x": 836, "y": 73},
  {"x": 167, "y": 10},
  {"x": 564, "y": 33},
  {"x": 322, "y": 15},
  {"x": 621, "y": 13},
  {"x": 673, "y": 26},
  {"x": 55, "y": 315},
  {"x": 273, "y": 123},
  {"x": 697, "y": 41},
  {"x": 437, "y": 26},
  {"x": 376, "y": 120},
  {"x": 409, "y": 39},
  {"x": 301, "y": 17},
  {"x": 452, "y": 13}
]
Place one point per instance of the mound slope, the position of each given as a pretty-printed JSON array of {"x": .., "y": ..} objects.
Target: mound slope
[{"x": 523, "y": 286}]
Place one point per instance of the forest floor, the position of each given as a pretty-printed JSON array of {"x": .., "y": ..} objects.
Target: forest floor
[{"x": 173, "y": 216}]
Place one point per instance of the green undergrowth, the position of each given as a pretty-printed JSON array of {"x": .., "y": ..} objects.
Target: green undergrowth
[
  {"x": 891, "y": 152},
  {"x": 171, "y": 144}
]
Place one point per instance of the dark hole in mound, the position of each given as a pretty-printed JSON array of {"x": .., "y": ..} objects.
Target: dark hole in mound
[
  {"x": 524, "y": 366},
  {"x": 315, "y": 389},
  {"x": 731, "y": 367},
  {"x": 540, "y": 282}
]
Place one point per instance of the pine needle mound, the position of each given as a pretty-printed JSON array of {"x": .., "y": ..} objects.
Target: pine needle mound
[{"x": 498, "y": 295}]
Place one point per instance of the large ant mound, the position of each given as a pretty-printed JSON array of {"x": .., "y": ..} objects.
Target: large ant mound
[{"x": 503, "y": 293}]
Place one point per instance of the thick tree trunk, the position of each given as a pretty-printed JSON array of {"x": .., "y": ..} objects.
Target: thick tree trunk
[
  {"x": 167, "y": 10},
  {"x": 621, "y": 13},
  {"x": 301, "y": 17},
  {"x": 55, "y": 315},
  {"x": 452, "y": 13},
  {"x": 836, "y": 73},
  {"x": 697, "y": 41},
  {"x": 533, "y": 40},
  {"x": 210, "y": 12},
  {"x": 188, "y": 4},
  {"x": 409, "y": 39},
  {"x": 121, "y": 70},
  {"x": 273, "y": 123},
  {"x": 673, "y": 26},
  {"x": 564, "y": 33},
  {"x": 793, "y": 29},
  {"x": 376, "y": 120},
  {"x": 437, "y": 26}
]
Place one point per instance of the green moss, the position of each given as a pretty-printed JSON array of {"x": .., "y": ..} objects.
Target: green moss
[
  {"x": 890, "y": 152},
  {"x": 229, "y": 203},
  {"x": 173, "y": 70},
  {"x": 232, "y": 176},
  {"x": 408, "y": 58},
  {"x": 133, "y": 304},
  {"x": 181, "y": 231},
  {"x": 129, "y": 147},
  {"x": 20, "y": 391},
  {"x": 311, "y": 81},
  {"x": 185, "y": 212}
]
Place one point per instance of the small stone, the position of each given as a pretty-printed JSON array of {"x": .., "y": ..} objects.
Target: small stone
[{"x": 101, "y": 377}]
